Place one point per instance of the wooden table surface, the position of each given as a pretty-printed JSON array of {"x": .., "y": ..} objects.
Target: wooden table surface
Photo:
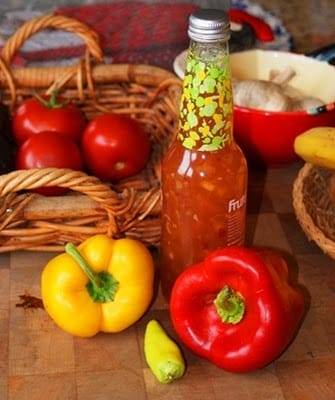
[{"x": 39, "y": 360}]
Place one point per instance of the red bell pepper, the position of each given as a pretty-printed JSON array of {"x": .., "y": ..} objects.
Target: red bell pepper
[{"x": 237, "y": 308}]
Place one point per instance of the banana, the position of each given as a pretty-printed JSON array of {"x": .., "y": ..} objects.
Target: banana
[{"x": 317, "y": 146}]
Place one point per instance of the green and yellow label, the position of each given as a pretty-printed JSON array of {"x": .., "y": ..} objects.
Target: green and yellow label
[{"x": 206, "y": 112}]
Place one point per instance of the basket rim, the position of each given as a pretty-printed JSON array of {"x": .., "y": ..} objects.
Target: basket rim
[
  {"x": 312, "y": 231},
  {"x": 127, "y": 209}
]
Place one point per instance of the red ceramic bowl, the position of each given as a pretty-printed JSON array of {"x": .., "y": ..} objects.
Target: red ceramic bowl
[{"x": 267, "y": 138}]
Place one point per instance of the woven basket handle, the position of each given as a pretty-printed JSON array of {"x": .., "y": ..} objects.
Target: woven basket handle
[
  {"x": 34, "y": 25},
  {"x": 78, "y": 181}
]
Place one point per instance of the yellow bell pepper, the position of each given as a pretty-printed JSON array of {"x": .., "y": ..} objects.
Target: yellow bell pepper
[{"x": 101, "y": 285}]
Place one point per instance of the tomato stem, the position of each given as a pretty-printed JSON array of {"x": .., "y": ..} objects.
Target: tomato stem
[
  {"x": 229, "y": 305},
  {"x": 101, "y": 287},
  {"x": 52, "y": 102}
]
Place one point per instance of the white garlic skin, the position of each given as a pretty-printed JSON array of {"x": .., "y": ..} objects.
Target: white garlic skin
[
  {"x": 306, "y": 103},
  {"x": 272, "y": 95},
  {"x": 260, "y": 94}
]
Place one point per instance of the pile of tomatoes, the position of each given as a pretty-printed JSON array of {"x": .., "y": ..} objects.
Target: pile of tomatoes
[{"x": 53, "y": 132}]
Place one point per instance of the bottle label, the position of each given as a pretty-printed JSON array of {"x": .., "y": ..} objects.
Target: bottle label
[
  {"x": 236, "y": 204},
  {"x": 236, "y": 220},
  {"x": 206, "y": 112}
]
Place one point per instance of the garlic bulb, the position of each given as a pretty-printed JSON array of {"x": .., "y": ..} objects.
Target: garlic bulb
[
  {"x": 306, "y": 103},
  {"x": 272, "y": 95},
  {"x": 260, "y": 94}
]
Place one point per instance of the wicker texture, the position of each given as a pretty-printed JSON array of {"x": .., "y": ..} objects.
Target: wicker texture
[
  {"x": 130, "y": 208},
  {"x": 314, "y": 205}
]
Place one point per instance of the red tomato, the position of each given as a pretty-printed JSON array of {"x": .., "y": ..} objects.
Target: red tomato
[
  {"x": 47, "y": 149},
  {"x": 55, "y": 114},
  {"x": 115, "y": 147}
]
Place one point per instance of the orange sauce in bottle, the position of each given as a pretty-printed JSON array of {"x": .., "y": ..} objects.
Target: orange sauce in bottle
[{"x": 204, "y": 172}]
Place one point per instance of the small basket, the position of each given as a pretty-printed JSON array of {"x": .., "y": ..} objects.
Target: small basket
[
  {"x": 314, "y": 205},
  {"x": 129, "y": 209}
]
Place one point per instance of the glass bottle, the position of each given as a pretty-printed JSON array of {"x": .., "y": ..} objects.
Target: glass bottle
[{"x": 204, "y": 172}]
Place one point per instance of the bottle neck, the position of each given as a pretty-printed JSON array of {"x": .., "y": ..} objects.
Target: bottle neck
[{"x": 206, "y": 108}]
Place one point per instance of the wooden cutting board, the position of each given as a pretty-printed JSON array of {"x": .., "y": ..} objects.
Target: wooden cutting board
[{"x": 40, "y": 361}]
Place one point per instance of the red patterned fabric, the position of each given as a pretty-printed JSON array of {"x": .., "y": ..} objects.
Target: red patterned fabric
[{"x": 132, "y": 32}]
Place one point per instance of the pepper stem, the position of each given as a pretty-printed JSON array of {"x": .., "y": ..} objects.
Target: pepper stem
[
  {"x": 101, "y": 287},
  {"x": 229, "y": 305}
]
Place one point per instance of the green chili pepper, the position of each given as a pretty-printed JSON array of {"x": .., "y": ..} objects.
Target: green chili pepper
[{"x": 162, "y": 354}]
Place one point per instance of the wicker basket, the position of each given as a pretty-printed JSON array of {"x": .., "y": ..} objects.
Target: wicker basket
[
  {"x": 132, "y": 207},
  {"x": 314, "y": 205}
]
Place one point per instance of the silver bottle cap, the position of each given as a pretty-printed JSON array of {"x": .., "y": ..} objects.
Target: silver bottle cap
[{"x": 209, "y": 25}]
